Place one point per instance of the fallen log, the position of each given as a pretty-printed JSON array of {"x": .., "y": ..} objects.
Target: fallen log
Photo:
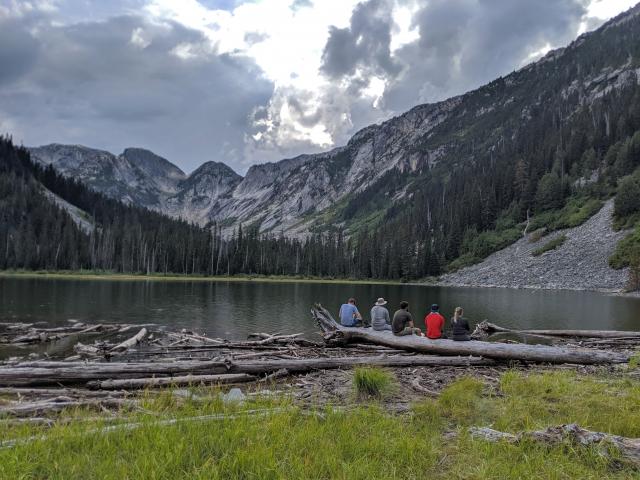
[
  {"x": 127, "y": 344},
  {"x": 629, "y": 448},
  {"x": 336, "y": 333},
  {"x": 59, "y": 392},
  {"x": 74, "y": 373},
  {"x": 59, "y": 404},
  {"x": 181, "y": 381},
  {"x": 489, "y": 328}
]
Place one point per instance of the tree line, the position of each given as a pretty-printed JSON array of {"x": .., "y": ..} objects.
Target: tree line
[{"x": 545, "y": 149}]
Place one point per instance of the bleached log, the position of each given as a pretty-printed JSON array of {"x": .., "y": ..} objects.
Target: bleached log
[
  {"x": 59, "y": 392},
  {"x": 336, "y": 333},
  {"x": 181, "y": 381},
  {"x": 629, "y": 448},
  {"x": 67, "y": 373},
  {"x": 127, "y": 344},
  {"x": 489, "y": 328},
  {"x": 59, "y": 404}
]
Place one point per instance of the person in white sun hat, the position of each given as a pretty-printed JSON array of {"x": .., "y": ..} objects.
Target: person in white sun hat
[{"x": 380, "y": 316}]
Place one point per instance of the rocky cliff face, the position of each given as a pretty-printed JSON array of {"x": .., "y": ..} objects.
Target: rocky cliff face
[
  {"x": 136, "y": 176},
  {"x": 282, "y": 196},
  {"x": 206, "y": 190},
  {"x": 392, "y": 160}
]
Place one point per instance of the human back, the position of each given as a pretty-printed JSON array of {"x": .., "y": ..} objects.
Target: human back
[
  {"x": 434, "y": 322},
  {"x": 349, "y": 314},
  {"x": 460, "y": 328},
  {"x": 403, "y": 321},
  {"x": 380, "y": 316}
]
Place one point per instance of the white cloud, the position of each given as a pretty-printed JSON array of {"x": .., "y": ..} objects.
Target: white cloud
[
  {"x": 420, "y": 60},
  {"x": 605, "y": 9}
]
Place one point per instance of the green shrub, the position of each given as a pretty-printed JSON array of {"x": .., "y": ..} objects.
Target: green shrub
[
  {"x": 627, "y": 200},
  {"x": 372, "y": 382},
  {"x": 464, "y": 260},
  {"x": 485, "y": 243},
  {"x": 627, "y": 251},
  {"x": 549, "y": 193},
  {"x": 550, "y": 245},
  {"x": 576, "y": 211}
]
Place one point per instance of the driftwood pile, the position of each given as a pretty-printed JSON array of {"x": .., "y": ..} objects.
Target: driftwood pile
[{"x": 105, "y": 364}]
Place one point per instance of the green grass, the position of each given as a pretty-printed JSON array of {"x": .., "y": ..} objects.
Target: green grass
[
  {"x": 625, "y": 223},
  {"x": 371, "y": 382},
  {"x": 361, "y": 442},
  {"x": 464, "y": 260},
  {"x": 550, "y": 245},
  {"x": 576, "y": 211}
]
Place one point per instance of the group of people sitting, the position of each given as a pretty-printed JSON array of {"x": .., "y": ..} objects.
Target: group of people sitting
[{"x": 403, "y": 323}]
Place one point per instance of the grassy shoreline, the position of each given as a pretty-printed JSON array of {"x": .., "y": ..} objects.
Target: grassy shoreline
[
  {"x": 91, "y": 275},
  {"x": 360, "y": 440}
]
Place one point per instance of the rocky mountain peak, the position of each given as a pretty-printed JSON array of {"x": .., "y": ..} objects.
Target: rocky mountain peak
[
  {"x": 152, "y": 164},
  {"x": 217, "y": 169}
]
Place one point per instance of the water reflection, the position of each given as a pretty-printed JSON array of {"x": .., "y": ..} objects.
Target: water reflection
[{"x": 234, "y": 309}]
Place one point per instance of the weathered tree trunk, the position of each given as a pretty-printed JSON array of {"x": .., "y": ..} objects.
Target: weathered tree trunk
[
  {"x": 127, "y": 344},
  {"x": 333, "y": 332},
  {"x": 489, "y": 328},
  {"x": 629, "y": 448},
  {"x": 69, "y": 373},
  {"x": 181, "y": 381},
  {"x": 61, "y": 403}
]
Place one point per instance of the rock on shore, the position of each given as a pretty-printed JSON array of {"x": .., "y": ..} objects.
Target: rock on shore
[{"x": 580, "y": 263}]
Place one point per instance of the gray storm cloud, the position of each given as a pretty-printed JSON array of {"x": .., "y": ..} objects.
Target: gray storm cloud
[
  {"x": 131, "y": 81},
  {"x": 127, "y": 82},
  {"x": 462, "y": 44},
  {"x": 365, "y": 43}
]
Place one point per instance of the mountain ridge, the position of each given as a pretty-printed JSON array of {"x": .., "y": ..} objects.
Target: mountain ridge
[{"x": 336, "y": 189}]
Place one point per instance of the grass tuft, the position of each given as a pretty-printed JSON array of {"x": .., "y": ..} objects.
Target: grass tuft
[
  {"x": 550, "y": 245},
  {"x": 371, "y": 382}
]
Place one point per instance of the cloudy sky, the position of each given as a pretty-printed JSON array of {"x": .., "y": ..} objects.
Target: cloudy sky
[{"x": 253, "y": 81}]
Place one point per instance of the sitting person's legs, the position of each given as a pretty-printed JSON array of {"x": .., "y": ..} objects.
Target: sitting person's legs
[
  {"x": 408, "y": 331},
  {"x": 382, "y": 328}
]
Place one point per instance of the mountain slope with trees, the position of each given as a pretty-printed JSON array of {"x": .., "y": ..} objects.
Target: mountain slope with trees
[{"x": 444, "y": 185}]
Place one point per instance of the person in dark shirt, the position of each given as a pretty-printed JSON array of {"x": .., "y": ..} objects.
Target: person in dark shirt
[
  {"x": 403, "y": 322},
  {"x": 434, "y": 323},
  {"x": 460, "y": 329}
]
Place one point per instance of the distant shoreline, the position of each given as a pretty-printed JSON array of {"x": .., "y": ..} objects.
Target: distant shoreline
[
  {"x": 111, "y": 276},
  {"x": 88, "y": 275}
]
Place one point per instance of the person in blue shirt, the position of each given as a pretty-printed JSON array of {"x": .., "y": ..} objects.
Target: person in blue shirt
[{"x": 349, "y": 314}]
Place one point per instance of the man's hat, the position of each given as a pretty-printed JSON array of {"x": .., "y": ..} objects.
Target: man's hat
[
  {"x": 435, "y": 307},
  {"x": 381, "y": 301}
]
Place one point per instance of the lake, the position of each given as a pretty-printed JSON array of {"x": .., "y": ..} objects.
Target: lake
[{"x": 235, "y": 309}]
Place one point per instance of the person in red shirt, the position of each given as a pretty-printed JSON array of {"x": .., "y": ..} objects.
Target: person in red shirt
[{"x": 434, "y": 323}]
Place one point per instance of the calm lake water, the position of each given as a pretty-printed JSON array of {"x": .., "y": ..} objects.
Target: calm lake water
[{"x": 234, "y": 309}]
